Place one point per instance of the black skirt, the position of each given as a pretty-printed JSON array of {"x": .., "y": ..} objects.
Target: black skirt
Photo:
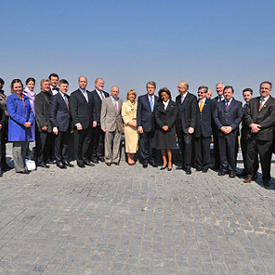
[{"x": 165, "y": 139}]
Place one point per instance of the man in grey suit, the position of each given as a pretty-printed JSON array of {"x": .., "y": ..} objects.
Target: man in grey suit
[{"x": 112, "y": 125}]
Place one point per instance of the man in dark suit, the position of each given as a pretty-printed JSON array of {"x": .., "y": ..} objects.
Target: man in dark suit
[
  {"x": 227, "y": 117},
  {"x": 247, "y": 96},
  {"x": 60, "y": 118},
  {"x": 145, "y": 121},
  {"x": 186, "y": 122},
  {"x": 217, "y": 99},
  {"x": 82, "y": 110},
  {"x": 97, "y": 145},
  {"x": 260, "y": 116},
  {"x": 203, "y": 130},
  {"x": 44, "y": 126}
]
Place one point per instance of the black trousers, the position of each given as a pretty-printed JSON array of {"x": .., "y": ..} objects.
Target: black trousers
[
  {"x": 227, "y": 149},
  {"x": 97, "y": 144},
  {"x": 82, "y": 140},
  {"x": 42, "y": 146},
  {"x": 1, "y": 150},
  {"x": 186, "y": 147},
  {"x": 146, "y": 151},
  {"x": 216, "y": 149},
  {"x": 62, "y": 141},
  {"x": 51, "y": 146},
  {"x": 3, "y": 140},
  {"x": 264, "y": 149},
  {"x": 202, "y": 152}
]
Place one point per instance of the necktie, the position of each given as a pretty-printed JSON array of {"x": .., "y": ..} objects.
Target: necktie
[
  {"x": 261, "y": 105},
  {"x": 101, "y": 95},
  {"x": 245, "y": 106},
  {"x": 219, "y": 98},
  {"x": 182, "y": 99},
  {"x": 151, "y": 103},
  {"x": 66, "y": 101},
  {"x": 85, "y": 95},
  {"x": 201, "y": 106},
  {"x": 116, "y": 107},
  {"x": 226, "y": 105}
]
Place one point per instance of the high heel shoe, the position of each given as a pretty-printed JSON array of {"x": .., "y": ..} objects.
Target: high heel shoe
[
  {"x": 170, "y": 169},
  {"x": 163, "y": 167}
]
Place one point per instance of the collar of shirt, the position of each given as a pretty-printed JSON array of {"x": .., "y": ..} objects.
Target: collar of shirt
[
  {"x": 229, "y": 102},
  {"x": 264, "y": 100},
  {"x": 114, "y": 99},
  {"x": 203, "y": 100},
  {"x": 83, "y": 91},
  {"x": 165, "y": 103},
  {"x": 151, "y": 96},
  {"x": 183, "y": 96},
  {"x": 62, "y": 94},
  {"x": 100, "y": 93}
]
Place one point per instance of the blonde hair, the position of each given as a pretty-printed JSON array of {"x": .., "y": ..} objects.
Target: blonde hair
[{"x": 131, "y": 92}]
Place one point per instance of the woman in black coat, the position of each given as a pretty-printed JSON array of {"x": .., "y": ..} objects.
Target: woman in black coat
[{"x": 165, "y": 134}]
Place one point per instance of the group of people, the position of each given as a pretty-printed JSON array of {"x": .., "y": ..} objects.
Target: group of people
[{"x": 150, "y": 122}]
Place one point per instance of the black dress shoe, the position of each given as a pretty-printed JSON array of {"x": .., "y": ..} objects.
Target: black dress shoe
[
  {"x": 61, "y": 165},
  {"x": 87, "y": 162},
  {"x": 80, "y": 163},
  {"x": 169, "y": 169},
  {"x": 221, "y": 173},
  {"x": 101, "y": 159},
  {"x": 115, "y": 163},
  {"x": 94, "y": 160},
  {"x": 23, "y": 172},
  {"x": 232, "y": 174},
  {"x": 67, "y": 163},
  {"x": 163, "y": 167},
  {"x": 51, "y": 161},
  {"x": 153, "y": 164},
  {"x": 204, "y": 170},
  {"x": 43, "y": 165},
  {"x": 266, "y": 183},
  {"x": 198, "y": 169},
  {"x": 108, "y": 163},
  {"x": 188, "y": 171},
  {"x": 145, "y": 165},
  {"x": 1, "y": 174},
  {"x": 6, "y": 168}
]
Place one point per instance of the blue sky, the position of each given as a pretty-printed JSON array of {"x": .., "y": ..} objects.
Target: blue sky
[{"x": 131, "y": 42}]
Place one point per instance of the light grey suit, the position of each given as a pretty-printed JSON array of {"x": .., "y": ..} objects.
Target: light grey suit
[{"x": 111, "y": 120}]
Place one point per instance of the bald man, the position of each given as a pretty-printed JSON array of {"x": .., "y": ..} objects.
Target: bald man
[
  {"x": 83, "y": 113},
  {"x": 187, "y": 115}
]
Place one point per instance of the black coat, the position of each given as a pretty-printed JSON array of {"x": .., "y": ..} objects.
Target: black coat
[
  {"x": 42, "y": 110},
  {"x": 82, "y": 111},
  {"x": 187, "y": 112},
  {"x": 98, "y": 103},
  {"x": 145, "y": 117},
  {"x": 165, "y": 139},
  {"x": 232, "y": 117},
  {"x": 60, "y": 114},
  {"x": 203, "y": 127},
  {"x": 265, "y": 117}
]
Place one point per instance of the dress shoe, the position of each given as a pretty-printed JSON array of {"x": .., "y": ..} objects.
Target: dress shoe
[
  {"x": 152, "y": 163},
  {"x": 101, "y": 159},
  {"x": 51, "y": 161},
  {"x": 232, "y": 174},
  {"x": 108, "y": 163},
  {"x": 243, "y": 174},
  {"x": 198, "y": 169},
  {"x": 254, "y": 177},
  {"x": 60, "y": 164},
  {"x": 1, "y": 173},
  {"x": 204, "y": 170},
  {"x": 94, "y": 160},
  {"x": 266, "y": 183},
  {"x": 163, "y": 167},
  {"x": 67, "y": 163},
  {"x": 80, "y": 163},
  {"x": 188, "y": 171},
  {"x": 221, "y": 173},
  {"x": 6, "y": 168},
  {"x": 145, "y": 165},
  {"x": 247, "y": 180},
  {"x": 23, "y": 172},
  {"x": 169, "y": 169},
  {"x": 115, "y": 163},
  {"x": 43, "y": 165},
  {"x": 87, "y": 162}
]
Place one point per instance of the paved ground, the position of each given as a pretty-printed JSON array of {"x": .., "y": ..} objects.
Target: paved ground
[{"x": 130, "y": 220}]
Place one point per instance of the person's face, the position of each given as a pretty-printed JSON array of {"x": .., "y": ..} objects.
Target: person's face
[
  {"x": 219, "y": 88},
  {"x": 1, "y": 86},
  {"x": 115, "y": 92},
  {"x": 82, "y": 83},
  {"x": 209, "y": 94},
  {"x": 17, "y": 88},
  {"x": 247, "y": 96},
  {"x": 182, "y": 88},
  {"x": 132, "y": 97},
  {"x": 99, "y": 84},
  {"x": 30, "y": 85},
  {"x": 201, "y": 94},
  {"x": 150, "y": 89},
  {"x": 54, "y": 81},
  {"x": 228, "y": 94},
  {"x": 63, "y": 88},
  {"x": 265, "y": 90},
  {"x": 45, "y": 86},
  {"x": 164, "y": 96}
]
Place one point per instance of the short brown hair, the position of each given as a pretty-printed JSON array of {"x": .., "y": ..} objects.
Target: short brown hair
[
  {"x": 131, "y": 92},
  {"x": 164, "y": 90}
]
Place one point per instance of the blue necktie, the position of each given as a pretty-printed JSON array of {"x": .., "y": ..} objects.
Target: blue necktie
[{"x": 151, "y": 103}]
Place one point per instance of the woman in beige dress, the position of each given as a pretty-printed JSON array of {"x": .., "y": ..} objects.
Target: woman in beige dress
[{"x": 129, "y": 115}]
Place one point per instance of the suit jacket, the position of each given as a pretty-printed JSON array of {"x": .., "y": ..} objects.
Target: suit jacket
[
  {"x": 204, "y": 120},
  {"x": 110, "y": 119},
  {"x": 265, "y": 117},
  {"x": 232, "y": 117},
  {"x": 82, "y": 111},
  {"x": 245, "y": 127},
  {"x": 98, "y": 104},
  {"x": 42, "y": 110},
  {"x": 187, "y": 112},
  {"x": 60, "y": 113},
  {"x": 2, "y": 117},
  {"x": 145, "y": 117}
]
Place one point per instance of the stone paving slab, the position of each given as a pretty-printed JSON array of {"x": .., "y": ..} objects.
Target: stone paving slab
[{"x": 130, "y": 220}]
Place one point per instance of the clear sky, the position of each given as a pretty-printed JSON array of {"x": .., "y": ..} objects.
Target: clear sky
[{"x": 129, "y": 42}]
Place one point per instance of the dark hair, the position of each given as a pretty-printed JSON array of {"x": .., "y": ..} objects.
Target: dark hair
[
  {"x": 53, "y": 74},
  {"x": 266, "y": 82},
  {"x": 248, "y": 90},
  {"x": 63, "y": 81},
  {"x": 16, "y": 81},
  {"x": 228, "y": 87},
  {"x": 30, "y": 79},
  {"x": 2, "y": 81},
  {"x": 164, "y": 90},
  {"x": 203, "y": 87},
  {"x": 153, "y": 83}
]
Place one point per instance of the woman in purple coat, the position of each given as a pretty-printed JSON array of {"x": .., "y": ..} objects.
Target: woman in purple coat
[{"x": 20, "y": 120}]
